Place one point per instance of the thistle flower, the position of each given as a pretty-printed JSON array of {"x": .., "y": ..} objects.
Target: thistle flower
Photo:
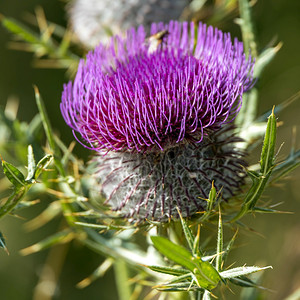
[
  {"x": 93, "y": 20},
  {"x": 159, "y": 117}
]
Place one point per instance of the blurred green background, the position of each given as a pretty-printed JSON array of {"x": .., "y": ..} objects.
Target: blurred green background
[{"x": 278, "y": 242}]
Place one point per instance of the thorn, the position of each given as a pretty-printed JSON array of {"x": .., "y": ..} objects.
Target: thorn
[
  {"x": 278, "y": 46},
  {"x": 273, "y": 111},
  {"x": 36, "y": 90}
]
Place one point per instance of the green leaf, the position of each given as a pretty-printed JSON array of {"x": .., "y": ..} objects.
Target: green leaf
[
  {"x": 206, "y": 275},
  {"x": 211, "y": 197},
  {"x": 291, "y": 162},
  {"x": 91, "y": 225},
  {"x": 266, "y": 166},
  {"x": 45, "y": 119},
  {"x": 243, "y": 281},
  {"x": 3, "y": 243},
  {"x": 174, "y": 252},
  {"x": 34, "y": 127},
  {"x": 21, "y": 186},
  {"x": 269, "y": 210},
  {"x": 43, "y": 44},
  {"x": 168, "y": 270},
  {"x": 253, "y": 175},
  {"x": 42, "y": 164},
  {"x": 99, "y": 272},
  {"x": 24, "y": 204},
  {"x": 189, "y": 236},
  {"x": 241, "y": 271},
  {"x": 219, "y": 244},
  {"x": 19, "y": 29},
  {"x": 268, "y": 150},
  {"x": 179, "y": 281},
  {"x": 229, "y": 246},
  {"x": 178, "y": 287},
  {"x": 103, "y": 226},
  {"x": 186, "y": 282},
  {"x": 49, "y": 131},
  {"x": 13, "y": 200},
  {"x": 279, "y": 108},
  {"x": 14, "y": 175},
  {"x": 45, "y": 216},
  {"x": 264, "y": 59},
  {"x": 68, "y": 156},
  {"x": 196, "y": 247},
  {"x": 286, "y": 171},
  {"x": 57, "y": 238},
  {"x": 31, "y": 164}
]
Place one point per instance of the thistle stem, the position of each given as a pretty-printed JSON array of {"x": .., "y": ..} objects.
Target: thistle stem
[{"x": 121, "y": 276}]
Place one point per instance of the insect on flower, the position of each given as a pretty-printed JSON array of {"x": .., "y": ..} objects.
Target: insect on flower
[{"x": 156, "y": 40}]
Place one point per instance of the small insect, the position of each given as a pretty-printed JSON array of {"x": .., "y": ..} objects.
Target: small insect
[{"x": 156, "y": 39}]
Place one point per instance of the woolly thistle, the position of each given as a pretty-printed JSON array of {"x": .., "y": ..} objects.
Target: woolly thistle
[
  {"x": 159, "y": 117},
  {"x": 93, "y": 20}
]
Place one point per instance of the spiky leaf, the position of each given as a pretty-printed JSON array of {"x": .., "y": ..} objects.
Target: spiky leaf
[
  {"x": 31, "y": 163},
  {"x": 266, "y": 166},
  {"x": 241, "y": 271},
  {"x": 168, "y": 270},
  {"x": 42, "y": 164},
  {"x": 206, "y": 275},
  {"x": 14, "y": 175}
]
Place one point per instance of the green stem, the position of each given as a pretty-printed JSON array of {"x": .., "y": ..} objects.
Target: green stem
[
  {"x": 247, "y": 28},
  {"x": 121, "y": 276},
  {"x": 248, "y": 111},
  {"x": 13, "y": 200}
]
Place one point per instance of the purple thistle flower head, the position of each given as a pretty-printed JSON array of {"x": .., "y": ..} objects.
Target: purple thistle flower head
[
  {"x": 127, "y": 97},
  {"x": 156, "y": 111}
]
